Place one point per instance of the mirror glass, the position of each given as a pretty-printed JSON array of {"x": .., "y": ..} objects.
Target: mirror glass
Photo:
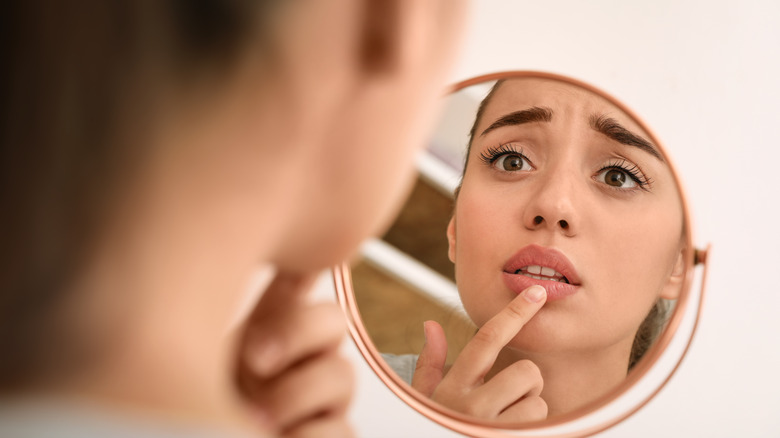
[{"x": 530, "y": 179}]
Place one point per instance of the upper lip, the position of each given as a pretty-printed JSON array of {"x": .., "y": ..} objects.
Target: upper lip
[{"x": 535, "y": 255}]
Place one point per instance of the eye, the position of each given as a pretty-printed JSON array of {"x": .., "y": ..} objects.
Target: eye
[
  {"x": 511, "y": 163},
  {"x": 616, "y": 178},
  {"x": 506, "y": 158},
  {"x": 623, "y": 175}
]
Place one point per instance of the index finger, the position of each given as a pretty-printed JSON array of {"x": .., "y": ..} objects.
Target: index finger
[{"x": 479, "y": 355}]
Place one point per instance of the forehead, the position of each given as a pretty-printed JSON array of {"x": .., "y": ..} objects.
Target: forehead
[{"x": 568, "y": 102}]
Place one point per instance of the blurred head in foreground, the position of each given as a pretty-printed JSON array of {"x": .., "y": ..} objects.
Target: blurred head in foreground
[{"x": 154, "y": 152}]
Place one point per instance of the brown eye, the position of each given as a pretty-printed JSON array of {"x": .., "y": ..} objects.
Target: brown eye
[
  {"x": 617, "y": 178},
  {"x": 512, "y": 163}
]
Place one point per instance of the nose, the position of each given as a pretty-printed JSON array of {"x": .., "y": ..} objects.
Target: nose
[{"x": 552, "y": 208}]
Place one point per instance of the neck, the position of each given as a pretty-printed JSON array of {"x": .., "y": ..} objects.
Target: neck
[
  {"x": 161, "y": 293},
  {"x": 573, "y": 379},
  {"x": 163, "y": 349}
]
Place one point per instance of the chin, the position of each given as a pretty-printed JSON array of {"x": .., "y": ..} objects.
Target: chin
[
  {"x": 320, "y": 251},
  {"x": 545, "y": 334}
]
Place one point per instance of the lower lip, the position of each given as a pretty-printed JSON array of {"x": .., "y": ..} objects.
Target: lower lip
[{"x": 556, "y": 290}]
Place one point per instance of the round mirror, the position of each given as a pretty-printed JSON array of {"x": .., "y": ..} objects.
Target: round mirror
[{"x": 531, "y": 179}]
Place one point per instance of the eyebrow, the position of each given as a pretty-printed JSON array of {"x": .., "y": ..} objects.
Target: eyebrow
[
  {"x": 614, "y": 130},
  {"x": 601, "y": 123},
  {"x": 530, "y": 115}
]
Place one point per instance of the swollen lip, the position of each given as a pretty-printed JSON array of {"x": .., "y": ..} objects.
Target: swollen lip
[
  {"x": 547, "y": 267},
  {"x": 556, "y": 290}
]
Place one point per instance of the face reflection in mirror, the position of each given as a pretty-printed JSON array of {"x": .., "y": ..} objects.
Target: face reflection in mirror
[{"x": 564, "y": 190}]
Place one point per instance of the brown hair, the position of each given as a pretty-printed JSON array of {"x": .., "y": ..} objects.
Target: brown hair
[
  {"x": 649, "y": 330},
  {"x": 80, "y": 83},
  {"x": 656, "y": 319},
  {"x": 480, "y": 110}
]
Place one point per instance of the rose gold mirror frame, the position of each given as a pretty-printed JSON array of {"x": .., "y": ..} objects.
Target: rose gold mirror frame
[{"x": 481, "y": 428}]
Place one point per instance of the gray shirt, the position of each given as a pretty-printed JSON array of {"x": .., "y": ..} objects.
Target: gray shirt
[
  {"x": 402, "y": 364},
  {"x": 60, "y": 420}
]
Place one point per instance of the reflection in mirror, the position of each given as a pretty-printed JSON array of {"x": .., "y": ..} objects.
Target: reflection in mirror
[{"x": 529, "y": 181}]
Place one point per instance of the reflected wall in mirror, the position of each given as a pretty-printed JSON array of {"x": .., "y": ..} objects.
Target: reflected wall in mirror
[{"x": 531, "y": 180}]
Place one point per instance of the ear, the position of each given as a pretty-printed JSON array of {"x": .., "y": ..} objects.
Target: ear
[
  {"x": 379, "y": 49},
  {"x": 451, "y": 239},
  {"x": 671, "y": 291},
  {"x": 401, "y": 34}
]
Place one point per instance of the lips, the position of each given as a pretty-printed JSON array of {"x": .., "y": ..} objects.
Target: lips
[{"x": 547, "y": 267}]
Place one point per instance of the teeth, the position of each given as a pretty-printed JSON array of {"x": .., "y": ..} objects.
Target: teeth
[
  {"x": 542, "y": 273},
  {"x": 539, "y": 270}
]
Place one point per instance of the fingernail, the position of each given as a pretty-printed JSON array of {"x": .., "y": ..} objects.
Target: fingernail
[
  {"x": 534, "y": 294},
  {"x": 265, "y": 357},
  {"x": 425, "y": 330}
]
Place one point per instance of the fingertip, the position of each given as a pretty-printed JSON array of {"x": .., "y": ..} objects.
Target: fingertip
[
  {"x": 264, "y": 419},
  {"x": 427, "y": 330},
  {"x": 265, "y": 357},
  {"x": 535, "y": 294}
]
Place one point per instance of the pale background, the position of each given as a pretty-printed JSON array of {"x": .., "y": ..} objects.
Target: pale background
[{"x": 706, "y": 77}]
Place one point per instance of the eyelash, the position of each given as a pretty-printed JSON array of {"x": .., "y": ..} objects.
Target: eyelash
[
  {"x": 632, "y": 170},
  {"x": 493, "y": 153}
]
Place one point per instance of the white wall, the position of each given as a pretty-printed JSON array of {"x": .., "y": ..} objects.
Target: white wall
[{"x": 706, "y": 77}]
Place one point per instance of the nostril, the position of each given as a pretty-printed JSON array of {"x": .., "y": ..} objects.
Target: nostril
[
  {"x": 564, "y": 224},
  {"x": 538, "y": 220}
]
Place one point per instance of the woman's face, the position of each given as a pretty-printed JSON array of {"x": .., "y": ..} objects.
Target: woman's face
[{"x": 564, "y": 190}]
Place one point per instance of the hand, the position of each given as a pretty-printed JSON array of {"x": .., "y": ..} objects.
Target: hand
[
  {"x": 512, "y": 395},
  {"x": 289, "y": 368}
]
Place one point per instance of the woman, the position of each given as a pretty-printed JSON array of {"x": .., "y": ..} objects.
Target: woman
[
  {"x": 154, "y": 155},
  {"x": 567, "y": 234}
]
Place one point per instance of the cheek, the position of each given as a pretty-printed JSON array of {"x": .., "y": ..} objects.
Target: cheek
[
  {"x": 486, "y": 235},
  {"x": 347, "y": 195},
  {"x": 635, "y": 259},
  {"x": 368, "y": 199},
  {"x": 372, "y": 163}
]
